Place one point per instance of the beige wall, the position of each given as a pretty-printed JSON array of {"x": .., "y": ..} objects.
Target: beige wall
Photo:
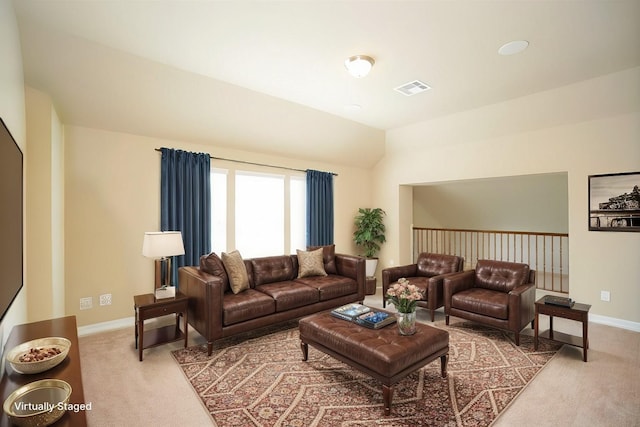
[
  {"x": 587, "y": 128},
  {"x": 12, "y": 112},
  {"x": 517, "y": 203},
  {"x": 112, "y": 197},
  {"x": 45, "y": 194}
]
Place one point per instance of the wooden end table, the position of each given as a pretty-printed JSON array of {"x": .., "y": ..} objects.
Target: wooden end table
[
  {"x": 579, "y": 312},
  {"x": 148, "y": 307}
]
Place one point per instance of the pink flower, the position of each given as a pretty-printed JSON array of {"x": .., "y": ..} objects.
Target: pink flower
[{"x": 404, "y": 296}]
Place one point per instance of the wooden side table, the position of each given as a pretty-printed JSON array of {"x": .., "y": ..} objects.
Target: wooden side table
[
  {"x": 579, "y": 312},
  {"x": 148, "y": 307}
]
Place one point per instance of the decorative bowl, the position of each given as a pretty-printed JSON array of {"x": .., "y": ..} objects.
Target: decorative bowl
[
  {"x": 40, "y": 403},
  {"x": 37, "y": 366}
]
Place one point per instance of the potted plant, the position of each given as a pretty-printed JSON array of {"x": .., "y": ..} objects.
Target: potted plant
[{"x": 369, "y": 235}]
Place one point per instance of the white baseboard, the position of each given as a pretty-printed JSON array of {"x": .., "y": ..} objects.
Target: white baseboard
[
  {"x": 618, "y": 323},
  {"x": 111, "y": 325}
]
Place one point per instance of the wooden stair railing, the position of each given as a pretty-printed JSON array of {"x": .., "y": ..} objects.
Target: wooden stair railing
[{"x": 547, "y": 253}]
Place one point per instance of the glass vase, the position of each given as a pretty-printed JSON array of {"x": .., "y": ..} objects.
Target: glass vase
[{"x": 407, "y": 323}]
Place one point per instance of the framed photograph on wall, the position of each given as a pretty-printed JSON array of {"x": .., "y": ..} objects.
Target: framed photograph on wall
[{"x": 614, "y": 202}]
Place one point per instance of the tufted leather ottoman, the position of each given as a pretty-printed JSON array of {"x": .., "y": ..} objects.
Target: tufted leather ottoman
[{"x": 383, "y": 353}]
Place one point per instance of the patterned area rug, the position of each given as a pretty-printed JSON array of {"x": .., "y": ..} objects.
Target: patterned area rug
[{"x": 259, "y": 379}]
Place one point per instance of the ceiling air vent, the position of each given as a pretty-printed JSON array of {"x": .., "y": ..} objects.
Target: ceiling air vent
[{"x": 412, "y": 88}]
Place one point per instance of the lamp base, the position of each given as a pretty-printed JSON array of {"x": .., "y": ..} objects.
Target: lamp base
[{"x": 163, "y": 272}]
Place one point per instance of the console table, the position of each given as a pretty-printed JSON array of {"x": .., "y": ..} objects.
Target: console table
[
  {"x": 578, "y": 312},
  {"x": 68, "y": 370}
]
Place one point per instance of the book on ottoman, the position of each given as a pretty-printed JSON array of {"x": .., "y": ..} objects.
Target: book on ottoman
[
  {"x": 375, "y": 319},
  {"x": 350, "y": 311}
]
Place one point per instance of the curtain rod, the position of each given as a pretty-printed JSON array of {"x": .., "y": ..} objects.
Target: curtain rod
[{"x": 258, "y": 164}]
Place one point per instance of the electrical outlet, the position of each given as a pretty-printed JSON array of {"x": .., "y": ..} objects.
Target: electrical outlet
[
  {"x": 605, "y": 296},
  {"x": 105, "y": 299},
  {"x": 86, "y": 303}
]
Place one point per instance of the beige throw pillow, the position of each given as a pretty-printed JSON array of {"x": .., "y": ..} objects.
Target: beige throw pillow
[
  {"x": 236, "y": 270},
  {"x": 310, "y": 263}
]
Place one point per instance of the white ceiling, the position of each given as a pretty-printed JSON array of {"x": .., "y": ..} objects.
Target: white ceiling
[{"x": 181, "y": 55}]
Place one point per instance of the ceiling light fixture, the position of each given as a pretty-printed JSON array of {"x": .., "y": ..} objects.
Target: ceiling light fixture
[
  {"x": 359, "y": 65},
  {"x": 513, "y": 47}
]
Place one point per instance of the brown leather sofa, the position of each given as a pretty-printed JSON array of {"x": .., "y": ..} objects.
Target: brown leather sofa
[
  {"x": 275, "y": 294},
  {"x": 428, "y": 274},
  {"x": 497, "y": 293}
]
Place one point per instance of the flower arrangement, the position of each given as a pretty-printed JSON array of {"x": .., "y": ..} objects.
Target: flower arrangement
[{"x": 404, "y": 296}]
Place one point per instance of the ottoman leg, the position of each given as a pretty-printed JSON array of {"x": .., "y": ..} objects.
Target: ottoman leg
[
  {"x": 444, "y": 359},
  {"x": 387, "y": 397},
  {"x": 305, "y": 350}
]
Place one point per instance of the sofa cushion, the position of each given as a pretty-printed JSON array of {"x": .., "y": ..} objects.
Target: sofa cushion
[
  {"x": 501, "y": 276},
  {"x": 328, "y": 257},
  {"x": 212, "y": 264},
  {"x": 435, "y": 264},
  {"x": 288, "y": 295},
  {"x": 272, "y": 269},
  {"x": 331, "y": 286},
  {"x": 482, "y": 301},
  {"x": 310, "y": 263},
  {"x": 238, "y": 278},
  {"x": 246, "y": 305}
]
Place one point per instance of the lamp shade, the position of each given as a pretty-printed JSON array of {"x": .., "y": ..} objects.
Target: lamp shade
[
  {"x": 359, "y": 65},
  {"x": 158, "y": 244}
]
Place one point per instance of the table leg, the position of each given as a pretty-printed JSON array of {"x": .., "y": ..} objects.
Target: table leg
[
  {"x": 551, "y": 327},
  {"x": 186, "y": 328},
  {"x": 135, "y": 327},
  {"x": 140, "y": 338},
  {"x": 585, "y": 339},
  {"x": 387, "y": 397},
  {"x": 536, "y": 328}
]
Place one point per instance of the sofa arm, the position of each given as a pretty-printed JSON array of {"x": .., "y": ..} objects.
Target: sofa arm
[
  {"x": 456, "y": 282},
  {"x": 205, "y": 292},
  {"x": 352, "y": 266}
]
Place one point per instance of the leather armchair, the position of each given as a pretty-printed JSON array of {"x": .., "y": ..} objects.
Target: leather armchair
[
  {"x": 497, "y": 293},
  {"x": 428, "y": 274}
]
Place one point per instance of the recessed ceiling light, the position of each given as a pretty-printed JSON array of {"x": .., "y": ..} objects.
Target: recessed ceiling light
[{"x": 513, "y": 47}]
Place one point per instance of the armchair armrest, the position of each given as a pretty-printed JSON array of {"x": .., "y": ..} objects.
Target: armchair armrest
[
  {"x": 437, "y": 282},
  {"x": 456, "y": 282},
  {"x": 522, "y": 300},
  {"x": 392, "y": 274}
]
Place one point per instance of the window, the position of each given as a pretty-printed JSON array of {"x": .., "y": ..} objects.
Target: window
[
  {"x": 219, "y": 210},
  {"x": 298, "y": 211},
  {"x": 260, "y": 214}
]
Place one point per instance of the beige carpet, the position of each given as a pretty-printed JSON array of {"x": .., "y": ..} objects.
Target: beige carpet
[
  {"x": 568, "y": 392},
  {"x": 259, "y": 379}
]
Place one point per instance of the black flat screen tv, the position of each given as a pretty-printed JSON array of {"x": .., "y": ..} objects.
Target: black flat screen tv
[{"x": 11, "y": 193}]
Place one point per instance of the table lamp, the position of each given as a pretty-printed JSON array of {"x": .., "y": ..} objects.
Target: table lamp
[{"x": 162, "y": 245}]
